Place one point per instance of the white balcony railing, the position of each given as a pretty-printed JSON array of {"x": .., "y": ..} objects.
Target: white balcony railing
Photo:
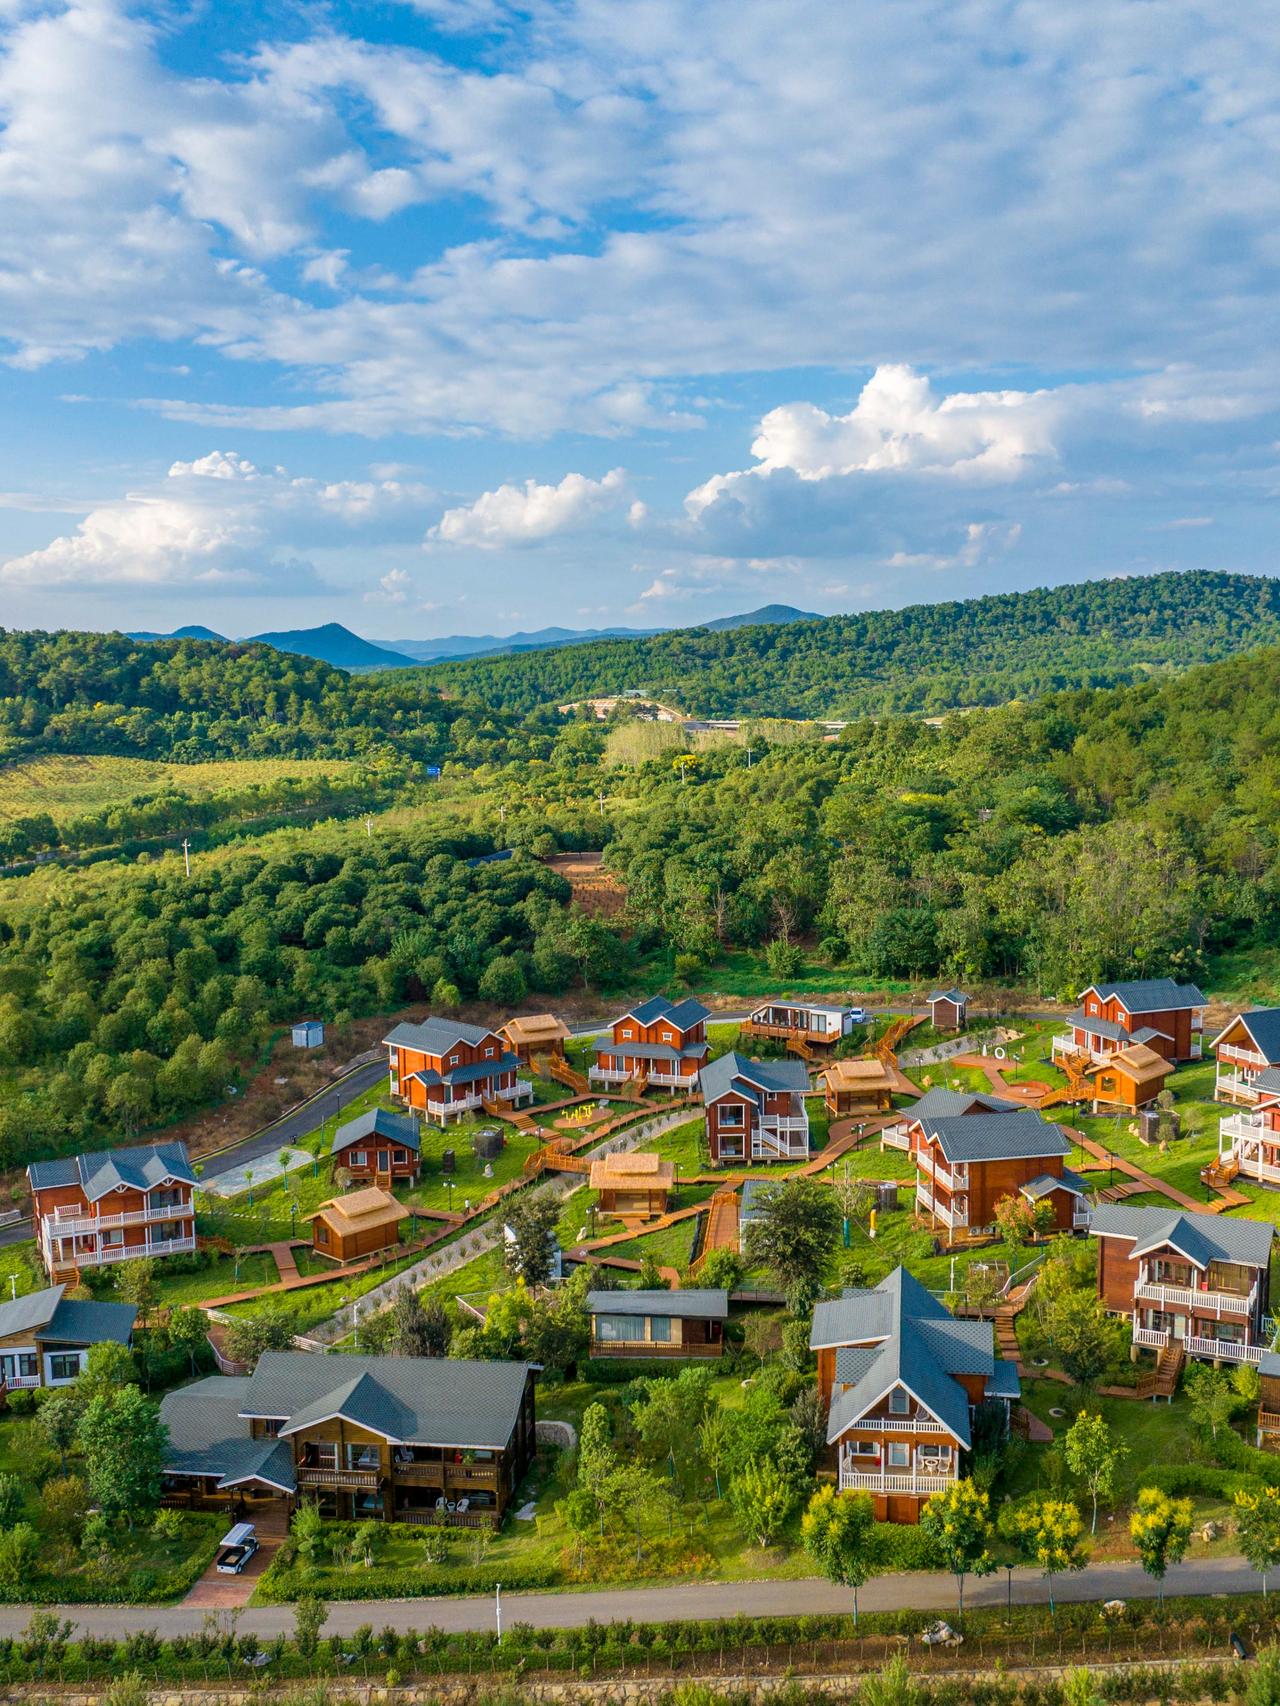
[
  {"x": 1229, "y": 1055},
  {"x": 64, "y": 1224},
  {"x": 1065, "y": 1043},
  {"x": 20, "y": 1383},
  {"x": 1154, "y": 1338},
  {"x": 1226, "y": 1349},
  {"x": 895, "y": 1137},
  {"x": 1183, "y": 1297},
  {"x": 951, "y": 1178},
  {"x": 901, "y": 1424},
  {"x": 952, "y": 1217},
  {"x": 1234, "y": 1084},
  {"x": 875, "y": 1481},
  {"x": 117, "y": 1252},
  {"x": 1247, "y": 1128}
]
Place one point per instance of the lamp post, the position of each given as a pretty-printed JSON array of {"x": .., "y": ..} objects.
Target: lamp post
[{"x": 1008, "y": 1570}]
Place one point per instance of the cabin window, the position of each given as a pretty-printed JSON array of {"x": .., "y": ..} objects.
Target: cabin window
[
  {"x": 899, "y": 1403},
  {"x": 624, "y": 1329},
  {"x": 453, "y": 1060},
  {"x": 660, "y": 1329},
  {"x": 271, "y": 1427},
  {"x": 626, "y": 1036},
  {"x": 65, "y": 1365},
  {"x": 323, "y": 1454},
  {"x": 899, "y": 1455},
  {"x": 866, "y": 1448},
  {"x": 1231, "y": 1276},
  {"x": 362, "y": 1457},
  {"x": 488, "y": 1054},
  {"x": 399, "y": 1156},
  {"x": 322, "y": 1232},
  {"x": 112, "y": 1240},
  {"x": 359, "y": 1158},
  {"x": 730, "y": 1114}
]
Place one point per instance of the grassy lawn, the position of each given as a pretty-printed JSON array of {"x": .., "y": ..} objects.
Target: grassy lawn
[{"x": 68, "y": 784}]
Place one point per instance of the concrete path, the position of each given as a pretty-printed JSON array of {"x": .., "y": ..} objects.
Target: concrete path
[{"x": 925, "y": 1591}]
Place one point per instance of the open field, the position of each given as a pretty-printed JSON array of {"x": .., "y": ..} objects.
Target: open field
[{"x": 67, "y": 784}]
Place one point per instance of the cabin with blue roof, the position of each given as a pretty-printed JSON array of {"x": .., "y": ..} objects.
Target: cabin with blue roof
[{"x": 657, "y": 1043}]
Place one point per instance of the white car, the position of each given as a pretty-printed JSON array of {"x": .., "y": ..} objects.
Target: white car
[{"x": 236, "y": 1548}]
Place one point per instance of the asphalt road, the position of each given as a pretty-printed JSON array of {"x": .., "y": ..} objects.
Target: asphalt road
[
  {"x": 298, "y": 1124},
  {"x": 698, "y": 1600}
]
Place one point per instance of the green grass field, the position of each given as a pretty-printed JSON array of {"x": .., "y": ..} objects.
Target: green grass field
[{"x": 66, "y": 785}]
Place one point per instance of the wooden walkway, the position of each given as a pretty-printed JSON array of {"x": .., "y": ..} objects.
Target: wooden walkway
[
  {"x": 1032, "y": 1092},
  {"x": 721, "y": 1231},
  {"x": 1226, "y": 1197}
]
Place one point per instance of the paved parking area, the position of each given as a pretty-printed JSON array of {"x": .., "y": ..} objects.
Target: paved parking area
[{"x": 236, "y": 1180}]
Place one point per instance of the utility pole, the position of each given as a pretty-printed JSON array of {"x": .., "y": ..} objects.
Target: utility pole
[
  {"x": 750, "y": 750},
  {"x": 368, "y": 828},
  {"x": 602, "y": 804},
  {"x": 186, "y": 854}
]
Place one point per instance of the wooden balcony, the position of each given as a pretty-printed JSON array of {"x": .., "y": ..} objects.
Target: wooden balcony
[
  {"x": 1268, "y": 1422},
  {"x": 889, "y": 1481},
  {"x": 356, "y": 1480},
  {"x": 451, "y": 1519},
  {"x": 647, "y": 1348},
  {"x": 1225, "y": 1350}
]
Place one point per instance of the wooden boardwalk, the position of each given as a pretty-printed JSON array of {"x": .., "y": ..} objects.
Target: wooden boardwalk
[{"x": 1226, "y": 1197}]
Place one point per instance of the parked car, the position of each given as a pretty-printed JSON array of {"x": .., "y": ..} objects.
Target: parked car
[
  {"x": 859, "y": 1016},
  {"x": 236, "y": 1548}
]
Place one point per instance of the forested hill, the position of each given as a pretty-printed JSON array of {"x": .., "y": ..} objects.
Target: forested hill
[{"x": 926, "y": 658}]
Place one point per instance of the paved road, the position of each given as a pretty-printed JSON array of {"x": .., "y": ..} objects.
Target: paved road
[
  {"x": 924, "y": 1592},
  {"x": 290, "y": 1128}
]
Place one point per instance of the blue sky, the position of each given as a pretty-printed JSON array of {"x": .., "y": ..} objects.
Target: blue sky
[{"x": 448, "y": 316}]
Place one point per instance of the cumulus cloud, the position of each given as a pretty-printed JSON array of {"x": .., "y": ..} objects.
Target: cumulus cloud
[
  {"x": 979, "y": 540},
  {"x": 528, "y": 514},
  {"x": 219, "y": 523}
]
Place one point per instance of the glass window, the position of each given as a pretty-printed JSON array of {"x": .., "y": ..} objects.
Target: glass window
[
  {"x": 731, "y": 1114},
  {"x": 899, "y": 1403},
  {"x": 660, "y": 1329},
  {"x": 362, "y": 1457},
  {"x": 899, "y": 1455},
  {"x": 359, "y": 1158},
  {"x": 64, "y": 1365},
  {"x": 322, "y": 1232},
  {"x": 622, "y": 1328},
  {"x": 488, "y": 1054}
]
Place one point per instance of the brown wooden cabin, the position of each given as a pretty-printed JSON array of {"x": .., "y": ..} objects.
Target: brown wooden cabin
[
  {"x": 665, "y": 1324},
  {"x": 805, "y": 1022},
  {"x": 966, "y": 1163},
  {"x": 359, "y": 1224},
  {"x": 1269, "y": 1401},
  {"x": 1167, "y": 1016},
  {"x": 46, "y": 1337},
  {"x": 531, "y": 1034},
  {"x": 1127, "y": 1080},
  {"x": 447, "y": 1069},
  {"x": 429, "y": 1440},
  {"x": 638, "y": 1183},
  {"x": 659, "y": 1042},
  {"x": 755, "y": 1110},
  {"x": 379, "y": 1147},
  {"x": 1244, "y": 1049},
  {"x": 112, "y": 1206},
  {"x": 948, "y": 1009},
  {"x": 853, "y": 1087}
]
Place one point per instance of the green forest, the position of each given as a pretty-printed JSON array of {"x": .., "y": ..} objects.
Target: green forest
[
  {"x": 1041, "y": 844},
  {"x": 927, "y": 658}
]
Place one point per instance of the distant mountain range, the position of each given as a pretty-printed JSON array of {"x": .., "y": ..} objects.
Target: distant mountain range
[{"x": 334, "y": 644}]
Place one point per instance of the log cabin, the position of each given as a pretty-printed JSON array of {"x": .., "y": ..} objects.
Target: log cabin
[
  {"x": 800, "y": 1022},
  {"x": 1126, "y": 1080},
  {"x": 398, "y": 1439},
  {"x": 1194, "y": 1282},
  {"x": 857, "y": 1087},
  {"x": 379, "y": 1146},
  {"x": 755, "y": 1110},
  {"x": 358, "y": 1224},
  {"x": 902, "y": 1381},
  {"x": 948, "y": 1009},
  {"x": 940, "y": 1103},
  {"x": 1249, "y": 1140},
  {"x": 532, "y": 1034},
  {"x": 966, "y": 1163},
  {"x": 1167, "y": 1016},
  {"x": 681, "y": 1324},
  {"x": 1247, "y": 1047},
  {"x": 660, "y": 1043},
  {"x": 447, "y": 1069},
  {"x": 634, "y": 1183},
  {"x": 113, "y": 1206},
  {"x": 46, "y": 1337}
]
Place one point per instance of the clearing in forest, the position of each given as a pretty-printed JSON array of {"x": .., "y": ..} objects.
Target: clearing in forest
[{"x": 65, "y": 785}]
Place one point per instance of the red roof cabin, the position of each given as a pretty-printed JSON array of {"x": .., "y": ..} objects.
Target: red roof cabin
[
  {"x": 659, "y": 1043},
  {"x": 447, "y": 1069},
  {"x": 1167, "y": 1016},
  {"x": 113, "y": 1206}
]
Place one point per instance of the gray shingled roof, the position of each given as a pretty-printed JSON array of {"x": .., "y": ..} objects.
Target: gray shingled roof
[
  {"x": 945, "y": 1104},
  {"x": 1149, "y": 995},
  {"x": 1263, "y": 1025},
  {"x": 956, "y": 995},
  {"x": 208, "y": 1437},
  {"x": 1268, "y": 1080},
  {"x": 1004, "y": 1381},
  {"x": 872, "y": 1314},
  {"x": 1044, "y": 1184},
  {"x": 696, "y": 1304},
  {"x": 469, "y": 1073},
  {"x": 735, "y": 1072},
  {"x": 31, "y": 1313},
  {"x": 435, "y": 1036},
  {"x": 684, "y": 1015},
  {"x": 141, "y": 1168},
  {"x": 1023, "y": 1134},
  {"x": 377, "y": 1122},
  {"x": 1200, "y": 1237},
  {"x": 652, "y": 1051},
  {"x": 434, "y": 1400},
  {"x": 1109, "y": 1029},
  {"x": 85, "y": 1322}
]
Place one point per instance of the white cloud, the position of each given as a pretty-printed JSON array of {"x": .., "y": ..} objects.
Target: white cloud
[
  {"x": 393, "y": 588},
  {"x": 528, "y": 514},
  {"x": 980, "y": 539},
  {"x": 899, "y": 425},
  {"x": 219, "y": 523}
]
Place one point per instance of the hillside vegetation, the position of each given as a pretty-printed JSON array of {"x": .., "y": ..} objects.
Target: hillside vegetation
[{"x": 927, "y": 658}]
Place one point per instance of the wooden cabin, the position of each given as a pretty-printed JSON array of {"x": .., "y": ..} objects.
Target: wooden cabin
[
  {"x": 901, "y": 1379},
  {"x": 46, "y": 1337},
  {"x": 427, "y": 1440},
  {"x": 379, "y": 1146},
  {"x": 966, "y": 1163},
  {"x": 801, "y": 1022},
  {"x": 1268, "y": 1438},
  {"x": 1127, "y": 1080},
  {"x": 1195, "y": 1282},
  {"x": 1244, "y": 1049},
  {"x": 112, "y": 1206},
  {"x": 637, "y": 1183},
  {"x": 532, "y": 1034},
  {"x": 662, "y": 1324},
  {"x": 948, "y": 1009},
  {"x": 1167, "y": 1016},
  {"x": 857, "y": 1087},
  {"x": 755, "y": 1109},
  {"x": 448, "y": 1069},
  {"x": 1249, "y": 1139},
  {"x": 359, "y": 1224},
  {"x": 661, "y": 1043}
]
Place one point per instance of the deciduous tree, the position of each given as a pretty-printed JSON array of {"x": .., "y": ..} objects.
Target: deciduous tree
[{"x": 837, "y": 1532}]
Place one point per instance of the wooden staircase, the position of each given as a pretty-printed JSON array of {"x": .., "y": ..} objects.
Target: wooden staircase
[
  {"x": 555, "y": 1158},
  {"x": 498, "y": 1110},
  {"x": 1076, "y": 1089},
  {"x": 560, "y": 1072},
  {"x": 1219, "y": 1174},
  {"x": 634, "y": 1088},
  {"x": 1162, "y": 1381},
  {"x": 721, "y": 1231},
  {"x": 802, "y": 1047},
  {"x": 886, "y": 1050}
]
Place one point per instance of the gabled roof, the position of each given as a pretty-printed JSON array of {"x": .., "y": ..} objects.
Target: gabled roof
[
  {"x": 858, "y": 1074},
  {"x": 1201, "y": 1238},
  {"x": 1112, "y": 1031},
  {"x": 1022, "y": 1134},
  {"x": 956, "y": 995},
  {"x": 638, "y": 1170},
  {"x": 1044, "y": 1184},
  {"x": 27, "y": 1314},
  {"x": 1138, "y": 1062},
  {"x": 364, "y": 1402},
  {"x": 535, "y": 1028},
  {"x": 1263, "y": 1026},
  {"x": 139, "y": 1168},
  {"x": 361, "y": 1211},
  {"x": 435, "y": 1036},
  {"x": 432, "y": 1400},
  {"x": 85, "y": 1321},
  {"x": 945, "y": 1104},
  {"x": 208, "y": 1437},
  {"x": 861, "y": 1315},
  {"x": 1267, "y": 1083},
  {"x": 469, "y": 1072},
  {"x": 764, "y": 1077},
  {"x": 696, "y": 1304},
  {"x": 1148, "y": 995},
  {"x": 377, "y": 1122},
  {"x": 684, "y": 1015}
]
